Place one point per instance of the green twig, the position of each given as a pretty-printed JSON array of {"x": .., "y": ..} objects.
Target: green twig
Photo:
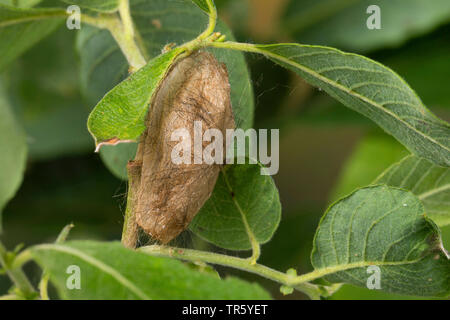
[
  {"x": 127, "y": 44},
  {"x": 313, "y": 291},
  {"x": 43, "y": 285},
  {"x": 212, "y": 21},
  {"x": 125, "y": 15},
  {"x": 100, "y": 22},
  {"x": 16, "y": 275},
  {"x": 248, "y": 47},
  {"x": 301, "y": 282},
  {"x": 123, "y": 31},
  {"x": 130, "y": 228}
]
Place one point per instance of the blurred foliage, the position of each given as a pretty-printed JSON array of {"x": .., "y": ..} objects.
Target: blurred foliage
[
  {"x": 14, "y": 153},
  {"x": 375, "y": 153},
  {"x": 43, "y": 88},
  {"x": 342, "y": 23},
  {"x": 326, "y": 150}
]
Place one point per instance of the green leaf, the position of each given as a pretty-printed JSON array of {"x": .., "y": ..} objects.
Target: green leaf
[
  {"x": 110, "y": 271},
  {"x": 13, "y": 150},
  {"x": 371, "y": 89},
  {"x": 121, "y": 113},
  {"x": 285, "y": 290},
  {"x": 203, "y": 4},
  {"x": 428, "y": 182},
  {"x": 20, "y": 29},
  {"x": 342, "y": 23},
  {"x": 96, "y": 5},
  {"x": 116, "y": 158},
  {"x": 385, "y": 227},
  {"x": 243, "y": 205}
]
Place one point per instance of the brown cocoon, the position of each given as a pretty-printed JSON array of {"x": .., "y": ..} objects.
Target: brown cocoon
[{"x": 170, "y": 195}]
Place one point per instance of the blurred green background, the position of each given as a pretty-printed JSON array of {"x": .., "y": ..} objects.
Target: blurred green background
[{"x": 326, "y": 150}]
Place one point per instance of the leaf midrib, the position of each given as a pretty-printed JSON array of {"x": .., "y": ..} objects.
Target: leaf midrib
[
  {"x": 322, "y": 272},
  {"x": 115, "y": 274},
  {"x": 434, "y": 191},
  {"x": 252, "y": 239}
]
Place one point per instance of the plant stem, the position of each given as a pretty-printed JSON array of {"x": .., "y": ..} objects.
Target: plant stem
[
  {"x": 21, "y": 259},
  {"x": 43, "y": 286},
  {"x": 127, "y": 44},
  {"x": 125, "y": 15},
  {"x": 123, "y": 32},
  {"x": 98, "y": 22},
  {"x": 130, "y": 228},
  {"x": 16, "y": 275},
  {"x": 309, "y": 289},
  {"x": 248, "y": 47},
  {"x": 212, "y": 21}
]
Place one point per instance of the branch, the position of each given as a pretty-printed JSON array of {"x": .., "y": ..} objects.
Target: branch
[
  {"x": 212, "y": 21},
  {"x": 123, "y": 31},
  {"x": 313, "y": 291}
]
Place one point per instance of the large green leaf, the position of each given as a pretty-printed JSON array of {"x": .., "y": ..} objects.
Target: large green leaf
[
  {"x": 159, "y": 22},
  {"x": 244, "y": 205},
  {"x": 342, "y": 23},
  {"x": 110, "y": 271},
  {"x": 385, "y": 227},
  {"x": 428, "y": 182},
  {"x": 96, "y": 5},
  {"x": 371, "y": 89},
  {"x": 13, "y": 150},
  {"x": 20, "y": 29},
  {"x": 121, "y": 113}
]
